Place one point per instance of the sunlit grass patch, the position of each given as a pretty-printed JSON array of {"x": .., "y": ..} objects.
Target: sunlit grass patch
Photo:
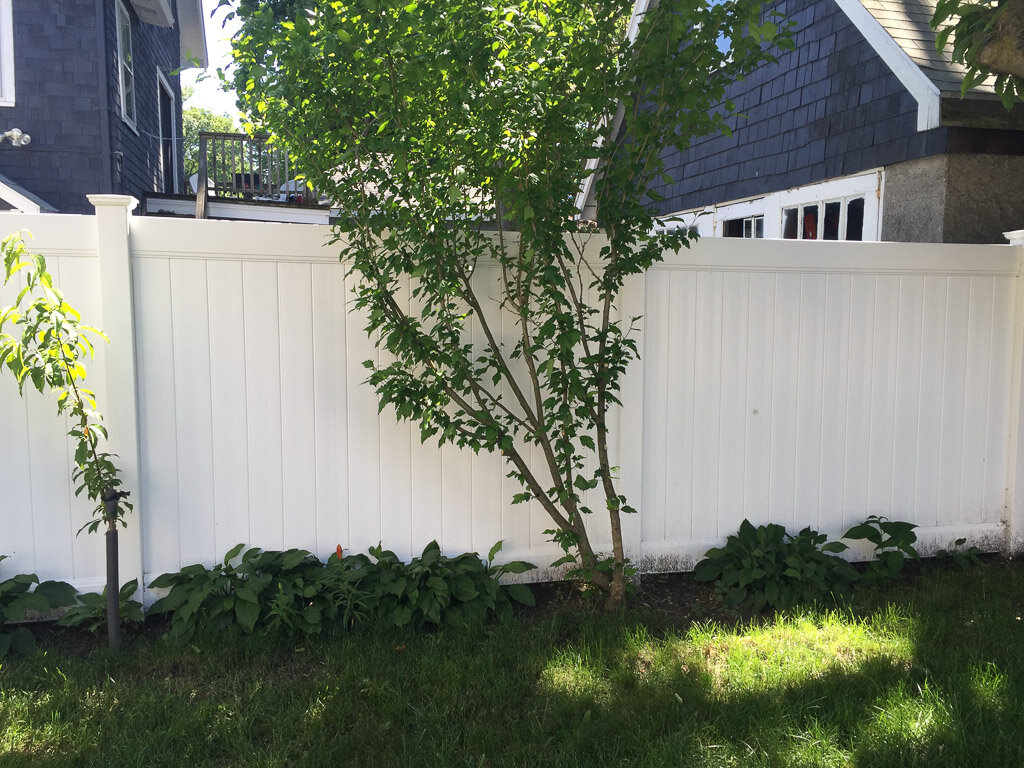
[
  {"x": 792, "y": 650},
  {"x": 925, "y": 676}
]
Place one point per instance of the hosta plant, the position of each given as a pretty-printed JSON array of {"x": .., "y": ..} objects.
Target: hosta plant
[
  {"x": 18, "y": 599},
  {"x": 893, "y": 542},
  {"x": 90, "y": 613},
  {"x": 765, "y": 566}
]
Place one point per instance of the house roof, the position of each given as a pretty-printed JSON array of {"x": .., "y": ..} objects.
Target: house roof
[
  {"x": 908, "y": 22},
  {"x": 20, "y": 199}
]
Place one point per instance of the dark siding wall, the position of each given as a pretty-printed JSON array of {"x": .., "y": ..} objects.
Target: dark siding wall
[
  {"x": 828, "y": 108},
  {"x": 57, "y": 70},
  {"x": 137, "y": 168}
]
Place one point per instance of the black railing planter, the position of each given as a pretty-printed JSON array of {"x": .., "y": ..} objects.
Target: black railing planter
[
  {"x": 244, "y": 167},
  {"x": 111, "y": 498}
]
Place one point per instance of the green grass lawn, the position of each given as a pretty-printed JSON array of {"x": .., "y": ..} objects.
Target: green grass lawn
[{"x": 927, "y": 674}]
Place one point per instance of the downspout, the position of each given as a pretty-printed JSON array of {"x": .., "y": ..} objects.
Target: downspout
[{"x": 104, "y": 88}]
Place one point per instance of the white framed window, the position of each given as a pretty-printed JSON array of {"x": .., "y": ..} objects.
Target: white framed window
[
  {"x": 847, "y": 208},
  {"x": 748, "y": 228},
  {"x": 841, "y": 219},
  {"x": 125, "y": 64},
  {"x": 842, "y": 209},
  {"x": 744, "y": 218},
  {"x": 167, "y": 121},
  {"x": 6, "y": 53}
]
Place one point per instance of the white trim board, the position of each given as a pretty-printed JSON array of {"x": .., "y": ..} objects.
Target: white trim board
[
  {"x": 21, "y": 202},
  {"x": 6, "y": 54},
  {"x": 924, "y": 91}
]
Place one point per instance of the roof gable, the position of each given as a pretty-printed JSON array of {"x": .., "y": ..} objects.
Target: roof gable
[{"x": 908, "y": 22}]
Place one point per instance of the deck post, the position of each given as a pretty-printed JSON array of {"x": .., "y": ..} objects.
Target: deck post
[{"x": 201, "y": 190}]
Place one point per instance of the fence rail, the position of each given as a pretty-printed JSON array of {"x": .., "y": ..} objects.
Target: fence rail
[
  {"x": 798, "y": 383},
  {"x": 240, "y": 166}
]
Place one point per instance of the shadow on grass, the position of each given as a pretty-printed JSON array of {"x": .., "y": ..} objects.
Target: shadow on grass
[{"x": 929, "y": 676}]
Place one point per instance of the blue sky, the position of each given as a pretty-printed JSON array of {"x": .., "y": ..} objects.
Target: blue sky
[{"x": 207, "y": 88}]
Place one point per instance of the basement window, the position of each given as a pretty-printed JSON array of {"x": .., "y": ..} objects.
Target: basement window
[
  {"x": 748, "y": 227},
  {"x": 825, "y": 220}
]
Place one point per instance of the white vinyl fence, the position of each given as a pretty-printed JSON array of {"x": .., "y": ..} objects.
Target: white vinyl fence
[{"x": 798, "y": 383}]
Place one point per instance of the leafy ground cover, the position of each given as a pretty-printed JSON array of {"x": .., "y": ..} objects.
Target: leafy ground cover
[{"x": 927, "y": 673}]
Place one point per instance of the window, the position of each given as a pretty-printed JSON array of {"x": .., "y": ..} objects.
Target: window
[
  {"x": 168, "y": 141},
  {"x": 749, "y": 227},
  {"x": 825, "y": 220},
  {"x": 126, "y": 73},
  {"x": 6, "y": 54},
  {"x": 846, "y": 208}
]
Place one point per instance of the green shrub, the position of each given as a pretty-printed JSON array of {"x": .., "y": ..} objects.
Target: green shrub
[
  {"x": 894, "y": 543},
  {"x": 91, "y": 611},
  {"x": 434, "y": 589},
  {"x": 294, "y": 592},
  {"x": 767, "y": 567},
  {"x": 17, "y": 597},
  {"x": 960, "y": 555},
  {"x": 270, "y": 589}
]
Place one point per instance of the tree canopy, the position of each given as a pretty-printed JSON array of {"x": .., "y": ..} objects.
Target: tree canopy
[{"x": 455, "y": 137}]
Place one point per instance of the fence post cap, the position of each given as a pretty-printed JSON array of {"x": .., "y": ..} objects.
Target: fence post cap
[{"x": 113, "y": 201}]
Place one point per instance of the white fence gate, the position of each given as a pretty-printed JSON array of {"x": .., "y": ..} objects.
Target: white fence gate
[{"x": 798, "y": 383}]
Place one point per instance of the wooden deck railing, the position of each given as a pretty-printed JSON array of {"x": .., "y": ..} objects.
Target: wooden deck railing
[{"x": 237, "y": 165}]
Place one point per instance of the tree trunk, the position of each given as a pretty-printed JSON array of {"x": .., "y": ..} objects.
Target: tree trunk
[
  {"x": 1003, "y": 52},
  {"x": 110, "y": 499}
]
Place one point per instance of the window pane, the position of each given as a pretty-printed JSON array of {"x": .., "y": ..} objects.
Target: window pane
[
  {"x": 732, "y": 228},
  {"x": 759, "y": 226},
  {"x": 855, "y": 219},
  {"x": 789, "y": 224},
  {"x": 831, "y": 229},
  {"x": 125, "y": 41},
  {"x": 810, "y": 222},
  {"x": 748, "y": 228},
  {"x": 129, "y": 94}
]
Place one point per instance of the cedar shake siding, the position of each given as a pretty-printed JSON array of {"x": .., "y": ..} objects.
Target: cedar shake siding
[
  {"x": 67, "y": 98},
  {"x": 830, "y": 107}
]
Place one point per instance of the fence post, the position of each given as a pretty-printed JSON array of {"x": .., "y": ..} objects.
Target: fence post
[
  {"x": 120, "y": 407},
  {"x": 1014, "y": 515}
]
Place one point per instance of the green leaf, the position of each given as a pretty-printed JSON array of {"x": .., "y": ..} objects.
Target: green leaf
[
  {"x": 247, "y": 614},
  {"x": 494, "y": 550},
  {"x": 521, "y": 594},
  {"x": 22, "y": 641},
  {"x": 401, "y": 616}
]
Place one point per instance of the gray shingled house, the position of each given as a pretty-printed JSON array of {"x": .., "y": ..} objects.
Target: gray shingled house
[
  {"x": 859, "y": 133},
  {"x": 95, "y": 85}
]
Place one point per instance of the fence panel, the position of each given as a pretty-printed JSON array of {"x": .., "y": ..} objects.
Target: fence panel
[
  {"x": 799, "y": 383},
  {"x": 824, "y": 383}
]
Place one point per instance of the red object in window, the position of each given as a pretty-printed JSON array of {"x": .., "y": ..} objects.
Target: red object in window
[{"x": 811, "y": 223}]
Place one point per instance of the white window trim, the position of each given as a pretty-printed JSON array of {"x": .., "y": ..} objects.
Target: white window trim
[
  {"x": 130, "y": 120},
  {"x": 741, "y": 210},
  {"x": 163, "y": 82},
  {"x": 6, "y": 53},
  {"x": 869, "y": 184}
]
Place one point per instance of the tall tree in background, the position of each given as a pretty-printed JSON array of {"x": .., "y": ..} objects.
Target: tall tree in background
[
  {"x": 454, "y": 135},
  {"x": 196, "y": 120},
  {"x": 988, "y": 38}
]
